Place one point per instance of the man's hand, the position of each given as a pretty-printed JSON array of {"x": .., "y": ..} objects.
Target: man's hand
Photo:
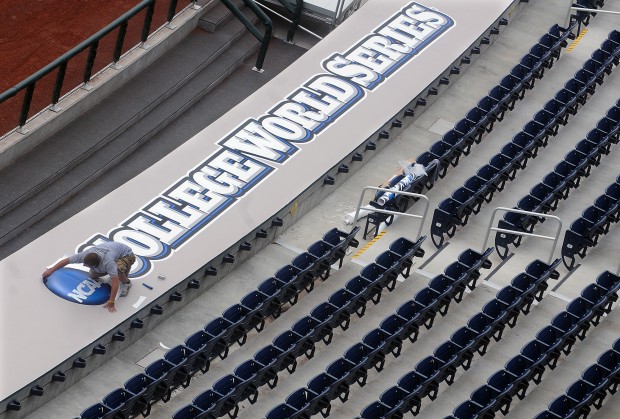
[
  {"x": 110, "y": 306},
  {"x": 60, "y": 264}
]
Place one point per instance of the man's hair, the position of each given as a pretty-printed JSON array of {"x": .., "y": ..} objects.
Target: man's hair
[{"x": 91, "y": 259}]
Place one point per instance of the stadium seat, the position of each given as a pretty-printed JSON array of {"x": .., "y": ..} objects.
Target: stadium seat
[
  {"x": 321, "y": 386},
  {"x": 187, "y": 412},
  {"x": 306, "y": 264},
  {"x": 251, "y": 371},
  {"x": 142, "y": 386},
  {"x": 96, "y": 411},
  {"x": 302, "y": 400},
  {"x": 343, "y": 373},
  {"x": 158, "y": 371},
  {"x": 121, "y": 403},
  {"x": 182, "y": 358},
  {"x": 444, "y": 289}
]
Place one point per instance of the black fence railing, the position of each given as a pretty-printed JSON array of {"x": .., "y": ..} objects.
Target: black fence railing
[
  {"x": 263, "y": 38},
  {"x": 91, "y": 44}
]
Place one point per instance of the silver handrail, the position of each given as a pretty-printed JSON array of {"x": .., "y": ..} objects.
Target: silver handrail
[
  {"x": 521, "y": 233},
  {"x": 416, "y": 195}
]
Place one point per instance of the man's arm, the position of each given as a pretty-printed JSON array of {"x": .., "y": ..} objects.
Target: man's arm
[
  {"x": 114, "y": 283},
  {"x": 60, "y": 264}
]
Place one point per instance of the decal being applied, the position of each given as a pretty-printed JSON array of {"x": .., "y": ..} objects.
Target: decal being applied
[{"x": 185, "y": 208}]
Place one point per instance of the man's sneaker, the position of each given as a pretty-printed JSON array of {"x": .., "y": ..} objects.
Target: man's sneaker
[{"x": 125, "y": 288}]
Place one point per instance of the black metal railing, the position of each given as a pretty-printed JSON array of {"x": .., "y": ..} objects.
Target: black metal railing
[
  {"x": 296, "y": 11},
  {"x": 264, "y": 38},
  {"x": 91, "y": 44}
]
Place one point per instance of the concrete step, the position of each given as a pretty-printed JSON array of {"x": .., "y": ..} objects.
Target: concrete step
[
  {"x": 106, "y": 135},
  {"x": 219, "y": 15}
]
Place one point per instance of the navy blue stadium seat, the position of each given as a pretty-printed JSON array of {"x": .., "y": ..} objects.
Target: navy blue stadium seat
[
  {"x": 294, "y": 344},
  {"x": 567, "y": 324},
  {"x": 554, "y": 340},
  {"x": 142, "y": 386},
  {"x": 258, "y": 306},
  {"x": 210, "y": 401},
  {"x": 303, "y": 400},
  {"x": 444, "y": 288},
  {"x": 562, "y": 407},
  {"x": 182, "y": 358},
  {"x": 327, "y": 315},
  {"x": 204, "y": 348},
  {"x": 536, "y": 353},
  {"x": 597, "y": 377},
  {"x": 487, "y": 398},
  {"x": 312, "y": 330},
  {"x": 583, "y": 311},
  {"x": 430, "y": 369},
  {"x": 284, "y": 411},
  {"x": 158, "y": 371},
  {"x": 466, "y": 410},
  {"x": 413, "y": 316},
  {"x": 287, "y": 275},
  {"x": 187, "y": 412},
  {"x": 449, "y": 352},
  {"x": 427, "y": 303},
  {"x": 347, "y": 304},
  {"x": 343, "y": 373},
  {"x": 121, "y": 403},
  {"x": 276, "y": 359},
  {"x": 505, "y": 384},
  {"x": 470, "y": 341},
  {"x": 321, "y": 386},
  {"x": 232, "y": 391},
  {"x": 523, "y": 368},
  {"x": 257, "y": 375},
  {"x": 306, "y": 264},
  {"x": 239, "y": 323},
  {"x": 96, "y": 411},
  {"x": 273, "y": 288},
  {"x": 362, "y": 357}
]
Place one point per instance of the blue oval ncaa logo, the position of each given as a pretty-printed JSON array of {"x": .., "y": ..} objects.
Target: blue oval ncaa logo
[{"x": 74, "y": 285}]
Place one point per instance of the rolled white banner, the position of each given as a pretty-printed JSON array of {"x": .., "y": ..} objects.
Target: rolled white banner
[{"x": 364, "y": 211}]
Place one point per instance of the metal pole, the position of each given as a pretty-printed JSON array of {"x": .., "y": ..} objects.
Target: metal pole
[
  {"x": 581, "y": 9},
  {"x": 415, "y": 195},
  {"x": 568, "y": 14},
  {"x": 520, "y": 233}
]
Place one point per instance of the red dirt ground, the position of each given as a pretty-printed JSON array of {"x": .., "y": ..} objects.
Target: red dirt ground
[{"x": 34, "y": 33}]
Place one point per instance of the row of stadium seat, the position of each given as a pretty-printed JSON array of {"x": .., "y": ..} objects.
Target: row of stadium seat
[
  {"x": 180, "y": 363},
  {"x": 491, "y": 108},
  {"x": 387, "y": 339},
  {"x": 556, "y": 185},
  {"x": 503, "y": 167},
  {"x": 302, "y": 337},
  {"x": 590, "y": 390},
  {"x": 545, "y": 350},
  {"x": 479, "y": 120},
  {"x": 595, "y": 221},
  {"x": 459, "y": 350}
]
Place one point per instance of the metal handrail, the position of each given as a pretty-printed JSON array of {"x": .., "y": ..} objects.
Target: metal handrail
[
  {"x": 415, "y": 195},
  {"x": 521, "y": 233},
  {"x": 296, "y": 11},
  {"x": 264, "y": 38},
  {"x": 91, "y": 44}
]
